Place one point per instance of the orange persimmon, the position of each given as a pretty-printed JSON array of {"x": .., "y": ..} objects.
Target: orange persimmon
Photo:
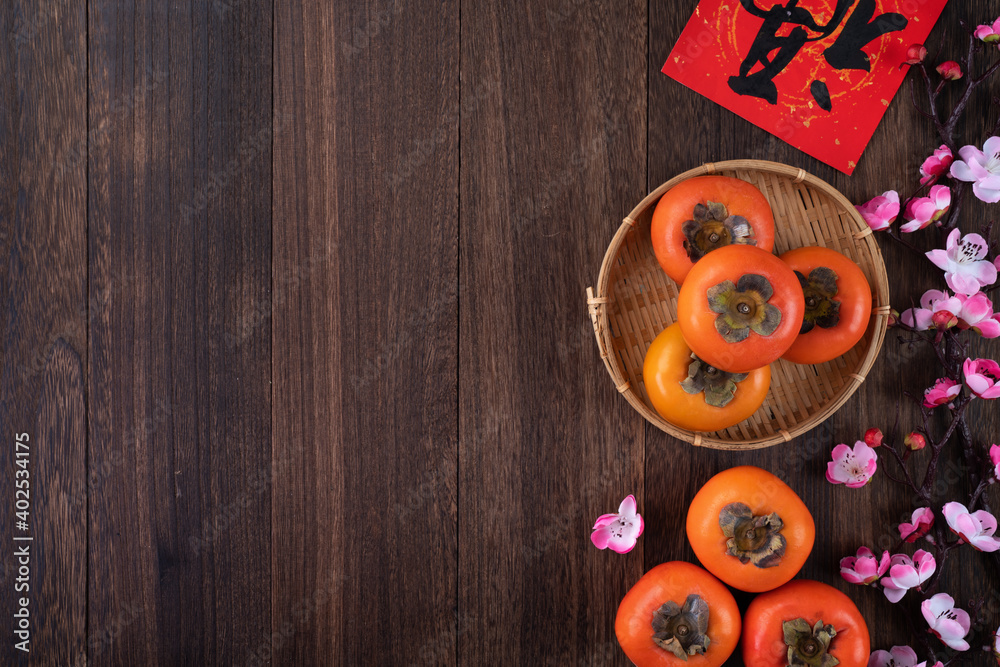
[
  {"x": 740, "y": 308},
  {"x": 699, "y": 215},
  {"x": 808, "y": 617},
  {"x": 750, "y": 529},
  {"x": 838, "y": 304},
  {"x": 678, "y": 609},
  {"x": 693, "y": 395}
]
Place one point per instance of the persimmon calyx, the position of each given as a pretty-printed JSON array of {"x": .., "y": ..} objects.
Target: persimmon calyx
[
  {"x": 752, "y": 539},
  {"x": 712, "y": 227},
  {"x": 809, "y": 645},
  {"x": 819, "y": 289},
  {"x": 718, "y": 385},
  {"x": 682, "y": 630},
  {"x": 743, "y": 307}
]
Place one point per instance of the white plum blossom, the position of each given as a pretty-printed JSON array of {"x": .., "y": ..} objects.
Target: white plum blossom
[
  {"x": 976, "y": 528},
  {"x": 981, "y": 168},
  {"x": 947, "y": 623},
  {"x": 963, "y": 261}
]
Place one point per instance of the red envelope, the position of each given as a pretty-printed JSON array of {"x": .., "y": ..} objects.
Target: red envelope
[{"x": 819, "y": 74}]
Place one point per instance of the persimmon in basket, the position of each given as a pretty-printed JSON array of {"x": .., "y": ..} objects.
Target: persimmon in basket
[
  {"x": 692, "y": 395},
  {"x": 838, "y": 304},
  {"x": 702, "y": 214},
  {"x": 740, "y": 308}
]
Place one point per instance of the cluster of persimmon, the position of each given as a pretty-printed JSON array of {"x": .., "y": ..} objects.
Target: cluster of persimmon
[
  {"x": 740, "y": 307},
  {"x": 753, "y": 532}
]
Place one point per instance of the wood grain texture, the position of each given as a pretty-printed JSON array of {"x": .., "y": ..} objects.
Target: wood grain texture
[
  {"x": 363, "y": 421},
  {"x": 43, "y": 357},
  {"x": 365, "y": 372},
  {"x": 179, "y": 386},
  {"x": 553, "y": 144}
]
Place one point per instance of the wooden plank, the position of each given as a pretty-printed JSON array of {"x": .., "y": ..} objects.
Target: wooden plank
[
  {"x": 43, "y": 358},
  {"x": 365, "y": 333},
  {"x": 553, "y": 157},
  {"x": 179, "y": 393}
]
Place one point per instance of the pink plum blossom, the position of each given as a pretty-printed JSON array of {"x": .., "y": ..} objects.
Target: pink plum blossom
[
  {"x": 938, "y": 309},
  {"x": 982, "y": 376},
  {"x": 963, "y": 263},
  {"x": 943, "y": 391},
  {"x": 921, "y": 522},
  {"x": 864, "y": 568},
  {"x": 995, "y": 460},
  {"x": 618, "y": 531},
  {"x": 947, "y": 623},
  {"x": 977, "y": 314},
  {"x": 853, "y": 467},
  {"x": 933, "y": 301},
  {"x": 975, "y": 528},
  {"x": 981, "y": 168},
  {"x": 936, "y": 166},
  {"x": 989, "y": 33},
  {"x": 923, "y": 211},
  {"x": 880, "y": 212},
  {"x": 897, "y": 656},
  {"x": 950, "y": 70},
  {"x": 906, "y": 573},
  {"x": 996, "y": 645}
]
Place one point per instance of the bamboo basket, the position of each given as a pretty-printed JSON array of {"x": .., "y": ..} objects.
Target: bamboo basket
[{"x": 635, "y": 300}]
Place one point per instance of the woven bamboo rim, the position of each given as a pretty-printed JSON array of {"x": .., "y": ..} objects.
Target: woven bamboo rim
[{"x": 635, "y": 300}]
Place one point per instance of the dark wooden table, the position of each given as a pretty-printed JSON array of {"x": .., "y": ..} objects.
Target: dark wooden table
[{"x": 294, "y": 319}]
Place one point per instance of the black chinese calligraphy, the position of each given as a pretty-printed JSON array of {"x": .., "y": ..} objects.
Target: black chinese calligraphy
[
  {"x": 773, "y": 51},
  {"x": 860, "y": 31}
]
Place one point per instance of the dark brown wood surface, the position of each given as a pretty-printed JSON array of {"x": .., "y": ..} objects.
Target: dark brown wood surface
[{"x": 294, "y": 317}]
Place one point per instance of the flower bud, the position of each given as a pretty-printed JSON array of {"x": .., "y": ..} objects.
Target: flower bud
[
  {"x": 915, "y": 442},
  {"x": 873, "y": 437},
  {"x": 915, "y": 54},
  {"x": 944, "y": 319},
  {"x": 950, "y": 70},
  {"x": 893, "y": 317}
]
